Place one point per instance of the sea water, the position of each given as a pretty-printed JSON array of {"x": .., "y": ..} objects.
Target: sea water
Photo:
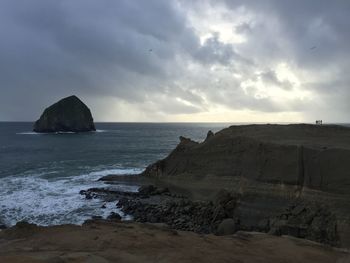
[{"x": 41, "y": 174}]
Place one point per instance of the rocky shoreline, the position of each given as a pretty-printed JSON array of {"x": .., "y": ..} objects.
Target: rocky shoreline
[
  {"x": 290, "y": 179},
  {"x": 308, "y": 220}
]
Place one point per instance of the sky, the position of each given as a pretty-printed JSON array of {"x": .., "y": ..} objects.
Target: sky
[{"x": 177, "y": 60}]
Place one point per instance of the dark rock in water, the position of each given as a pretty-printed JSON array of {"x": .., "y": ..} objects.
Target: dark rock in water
[
  {"x": 226, "y": 227},
  {"x": 114, "y": 216},
  {"x": 2, "y": 225},
  {"x": 24, "y": 225},
  {"x": 67, "y": 115},
  {"x": 147, "y": 190},
  {"x": 106, "y": 194}
]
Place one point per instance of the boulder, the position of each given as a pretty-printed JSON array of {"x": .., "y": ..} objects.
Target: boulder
[
  {"x": 67, "y": 115},
  {"x": 114, "y": 216},
  {"x": 226, "y": 227},
  {"x": 227, "y": 201},
  {"x": 25, "y": 225}
]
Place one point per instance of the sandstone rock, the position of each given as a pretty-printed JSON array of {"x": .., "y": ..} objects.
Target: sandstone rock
[
  {"x": 209, "y": 135},
  {"x": 270, "y": 167},
  {"x": 67, "y": 115},
  {"x": 283, "y": 154}
]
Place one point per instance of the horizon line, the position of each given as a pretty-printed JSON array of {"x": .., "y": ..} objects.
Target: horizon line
[{"x": 223, "y": 122}]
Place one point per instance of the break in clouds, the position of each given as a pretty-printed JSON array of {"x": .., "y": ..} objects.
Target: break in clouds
[{"x": 177, "y": 60}]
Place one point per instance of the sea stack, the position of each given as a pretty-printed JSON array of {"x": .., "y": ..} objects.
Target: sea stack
[{"x": 67, "y": 115}]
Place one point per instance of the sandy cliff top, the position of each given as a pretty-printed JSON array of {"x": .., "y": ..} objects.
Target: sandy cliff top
[{"x": 318, "y": 136}]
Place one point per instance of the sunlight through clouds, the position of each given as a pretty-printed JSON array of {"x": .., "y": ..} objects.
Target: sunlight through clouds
[{"x": 177, "y": 60}]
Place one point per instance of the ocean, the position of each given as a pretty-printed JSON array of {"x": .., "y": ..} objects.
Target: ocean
[{"x": 41, "y": 174}]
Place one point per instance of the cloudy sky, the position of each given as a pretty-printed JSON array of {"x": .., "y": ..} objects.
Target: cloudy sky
[{"x": 180, "y": 60}]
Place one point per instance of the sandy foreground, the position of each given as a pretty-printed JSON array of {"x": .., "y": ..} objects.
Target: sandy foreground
[{"x": 132, "y": 242}]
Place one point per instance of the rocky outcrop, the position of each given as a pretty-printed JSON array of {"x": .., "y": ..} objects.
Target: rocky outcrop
[
  {"x": 271, "y": 167},
  {"x": 209, "y": 135},
  {"x": 158, "y": 205},
  {"x": 67, "y": 115},
  {"x": 222, "y": 215},
  {"x": 307, "y": 220}
]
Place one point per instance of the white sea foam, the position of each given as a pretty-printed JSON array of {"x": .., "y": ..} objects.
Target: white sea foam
[
  {"x": 29, "y": 133},
  {"x": 130, "y": 171},
  {"x": 61, "y": 132},
  {"x": 42, "y": 133},
  {"x": 39, "y": 133},
  {"x": 56, "y": 201}
]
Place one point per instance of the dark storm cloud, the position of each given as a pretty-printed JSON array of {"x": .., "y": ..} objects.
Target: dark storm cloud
[
  {"x": 55, "y": 48},
  {"x": 214, "y": 51},
  {"x": 148, "y": 54}
]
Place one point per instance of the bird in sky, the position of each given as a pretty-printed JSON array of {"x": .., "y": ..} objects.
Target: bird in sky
[{"x": 312, "y": 48}]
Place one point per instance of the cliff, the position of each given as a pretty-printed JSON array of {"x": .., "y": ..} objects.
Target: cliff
[
  {"x": 273, "y": 168},
  {"x": 304, "y": 155}
]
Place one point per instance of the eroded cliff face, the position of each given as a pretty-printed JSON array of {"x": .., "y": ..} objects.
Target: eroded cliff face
[
  {"x": 300, "y": 162},
  {"x": 67, "y": 115},
  {"x": 272, "y": 167}
]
